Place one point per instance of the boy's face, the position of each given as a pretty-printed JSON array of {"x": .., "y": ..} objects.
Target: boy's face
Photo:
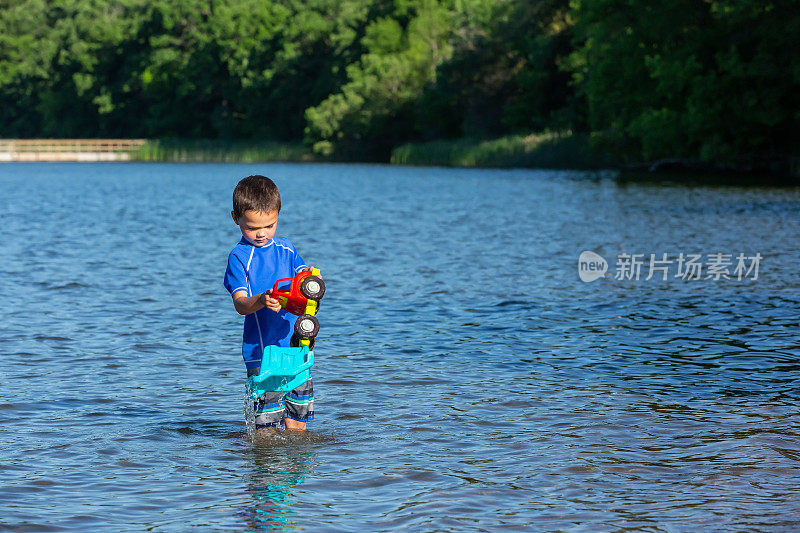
[{"x": 257, "y": 227}]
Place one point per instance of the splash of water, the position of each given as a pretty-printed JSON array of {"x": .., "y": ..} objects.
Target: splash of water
[{"x": 249, "y": 411}]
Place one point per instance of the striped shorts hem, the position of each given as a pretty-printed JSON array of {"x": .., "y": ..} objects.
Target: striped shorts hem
[{"x": 272, "y": 407}]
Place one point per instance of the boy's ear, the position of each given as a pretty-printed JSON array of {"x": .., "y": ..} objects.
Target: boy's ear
[{"x": 233, "y": 216}]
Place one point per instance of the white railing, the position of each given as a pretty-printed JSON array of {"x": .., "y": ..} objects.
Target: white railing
[{"x": 68, "y": 149}]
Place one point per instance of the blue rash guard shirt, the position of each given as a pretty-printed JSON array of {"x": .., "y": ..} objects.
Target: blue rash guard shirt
[{"x": 256, "y": 270}]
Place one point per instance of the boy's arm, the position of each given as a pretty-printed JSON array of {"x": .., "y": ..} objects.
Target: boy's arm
[{"x": 246, "y": 305}]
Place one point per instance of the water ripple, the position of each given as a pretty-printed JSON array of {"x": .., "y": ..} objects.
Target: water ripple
[{"x": 465, "y": 378}]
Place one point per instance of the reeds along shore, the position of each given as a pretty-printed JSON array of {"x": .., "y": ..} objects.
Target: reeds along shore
[
  {"x": 221, "y": 151},
  {"x": 541, "y": 150},
  {"x": 537, "y": 150}
]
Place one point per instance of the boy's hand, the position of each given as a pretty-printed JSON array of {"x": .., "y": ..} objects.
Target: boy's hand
[{"x": 269, "y": 302}]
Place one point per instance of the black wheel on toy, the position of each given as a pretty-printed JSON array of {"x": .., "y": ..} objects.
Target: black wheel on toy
[
  {"x": 312, "y": 287},
  {"x": 306, "y": 327}
]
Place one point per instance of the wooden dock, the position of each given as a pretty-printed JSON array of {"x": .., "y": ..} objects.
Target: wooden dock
[{"x": 68, "y": 149}]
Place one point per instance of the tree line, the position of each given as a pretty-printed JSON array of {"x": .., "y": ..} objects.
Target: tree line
[{"x": 707, "y": 79}]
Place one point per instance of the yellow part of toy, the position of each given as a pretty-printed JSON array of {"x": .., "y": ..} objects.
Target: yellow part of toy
[
  {"x": 311, "y": 307},
  {"x": 315, "y": 272}
]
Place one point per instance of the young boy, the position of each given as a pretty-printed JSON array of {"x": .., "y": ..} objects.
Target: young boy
[{"x": 254, "y": 265}]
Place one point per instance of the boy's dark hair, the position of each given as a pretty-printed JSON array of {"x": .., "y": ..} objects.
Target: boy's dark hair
[{"x": 256, "y": 193}]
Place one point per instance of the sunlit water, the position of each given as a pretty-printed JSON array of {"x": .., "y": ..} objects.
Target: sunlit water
[{"x": 465, "y": 378}]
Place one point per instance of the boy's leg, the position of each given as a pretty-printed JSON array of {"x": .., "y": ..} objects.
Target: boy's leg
[
  {"x": 294, "y": 424},
  {"x": 300, "y": 406},
  {"x": 268, "y": 408}
]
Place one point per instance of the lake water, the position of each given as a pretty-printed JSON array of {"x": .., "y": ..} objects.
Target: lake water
[{"x": 465, "y": 377}]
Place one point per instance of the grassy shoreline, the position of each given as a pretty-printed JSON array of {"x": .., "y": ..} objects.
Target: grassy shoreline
[
  {"x": 539, "y": 150},
  {"x": 217, "y": 151},
  {"x": 563, "y": 150}
]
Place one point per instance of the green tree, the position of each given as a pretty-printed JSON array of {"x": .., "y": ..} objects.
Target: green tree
[
  {"x": 716, "y": 80},
  {"x": 506, "y": 72},
  {"x": 373, "y": 111},
  {"x": 26, "y": 53},
  {"x": 306, "y": 64}
]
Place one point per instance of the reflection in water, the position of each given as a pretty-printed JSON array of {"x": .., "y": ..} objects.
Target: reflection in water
[{"x": 280, "y": 462}]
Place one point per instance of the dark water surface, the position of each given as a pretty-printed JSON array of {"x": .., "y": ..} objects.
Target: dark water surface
[{"x": 466, "y": 379}]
